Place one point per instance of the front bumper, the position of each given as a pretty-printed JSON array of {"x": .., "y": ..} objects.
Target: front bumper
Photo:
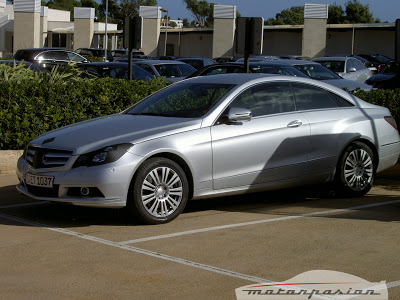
[{"x": 111, "y": 181}]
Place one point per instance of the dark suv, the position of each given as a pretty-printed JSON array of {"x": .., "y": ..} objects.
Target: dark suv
[
  {"x": 47, "y": 58},
  {"x": 95, "y": 52}
]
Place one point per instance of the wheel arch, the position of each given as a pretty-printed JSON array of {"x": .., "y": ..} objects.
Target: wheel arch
[
  {"x": 370, "y": 145},
  {"x": 365, "y": 141},
  {"x": 176, "y": 158}
]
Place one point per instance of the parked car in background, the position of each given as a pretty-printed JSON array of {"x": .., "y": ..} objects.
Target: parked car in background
[
  {"x": 225, "y": 59},
  {"x": 167, "y": 57},
  {"x": 171, "y": 70},
  {"x": 135, "y": 57},
  {"x": 377, "y": 59},
  {"x": 272, "y": 67},
  {"x": 197, "y": 62},
  {"x": 212, "y": 136},
  {"x": 25, "y": 64},
  {"x": 124, "y": 52},
  {"x": 388, "y": 84},
  {"x": 370, "y": 65},
  {"x": 347, "y": 67},
  {"x": 114, "y": 70},
  {"x": 47, "y": 58},
  {"x": 256, "y": 58},
  {"x": 95, "y": 52},
  {"x": 386, "y": 72},
  {"x": 317, "y": 71}
]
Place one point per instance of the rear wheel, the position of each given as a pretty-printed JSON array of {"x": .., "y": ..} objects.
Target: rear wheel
[
  {"x": 356, "y": 171},
  {"x": 159, "y": 192}
]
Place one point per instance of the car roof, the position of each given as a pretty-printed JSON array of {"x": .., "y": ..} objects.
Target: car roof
[
  {"x": 335, "y": 58},
  {"x": 235, "y": 78}
]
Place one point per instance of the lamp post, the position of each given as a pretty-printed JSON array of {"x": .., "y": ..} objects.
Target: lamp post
[
  {"x": 105, "y": 34},
  {"x": 166, "y": 31}
]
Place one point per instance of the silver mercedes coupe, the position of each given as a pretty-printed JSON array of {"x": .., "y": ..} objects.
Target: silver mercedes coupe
[{"x": 213, "y": 136}]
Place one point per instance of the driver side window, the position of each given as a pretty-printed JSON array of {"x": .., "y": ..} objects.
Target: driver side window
[{"x": 266, "y": 99}]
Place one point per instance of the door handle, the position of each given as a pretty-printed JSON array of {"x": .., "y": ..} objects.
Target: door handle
[{"x": 295, "y": 123}]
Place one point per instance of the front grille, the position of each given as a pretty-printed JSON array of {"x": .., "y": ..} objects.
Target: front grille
[
  {"x": 42, "y": 191},
  {"x": 41, "y": 158}
]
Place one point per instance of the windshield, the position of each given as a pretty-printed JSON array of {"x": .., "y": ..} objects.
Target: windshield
[
  {"x": 183, "y": 100},
  {"x": 174, "y": 70},
  {"x": 288, "y": 71},
  {"x": 318, "y": 72},
  {"x": 334, "y": 65}
]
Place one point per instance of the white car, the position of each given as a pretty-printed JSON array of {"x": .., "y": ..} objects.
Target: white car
[
  {"x": 210, "y": 136},
  {"x": 348, "y": 67}
]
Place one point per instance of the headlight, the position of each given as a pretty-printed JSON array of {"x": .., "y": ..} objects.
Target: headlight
[{"x": 102, "y": 156}]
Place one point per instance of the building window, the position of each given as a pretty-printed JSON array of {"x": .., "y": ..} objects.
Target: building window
[{"x": 59, "y": 40}]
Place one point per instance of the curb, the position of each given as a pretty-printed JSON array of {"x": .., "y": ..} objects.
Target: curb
[{"x": 8, "y": 160}]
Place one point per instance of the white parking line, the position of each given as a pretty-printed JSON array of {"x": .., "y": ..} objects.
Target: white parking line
[
  {"x": 140, "y": 251},
  {"x": 23, "y": 204},
  {"x": 164, "y": 236},
  {"x": 393, "y": 284}
]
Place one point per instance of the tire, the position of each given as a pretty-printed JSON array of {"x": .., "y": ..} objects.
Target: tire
[
  {"x": 356, "y": 171},
  {"x": 159, "y": 191}
]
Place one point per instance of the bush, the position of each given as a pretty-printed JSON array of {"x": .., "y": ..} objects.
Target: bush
[{"x": 31, "y": 103}]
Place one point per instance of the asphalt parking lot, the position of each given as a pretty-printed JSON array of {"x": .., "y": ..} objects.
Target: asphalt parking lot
[{"x": 50, "y": 251}]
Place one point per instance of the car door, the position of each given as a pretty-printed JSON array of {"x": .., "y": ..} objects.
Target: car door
[{"x": 270, "y": 147}]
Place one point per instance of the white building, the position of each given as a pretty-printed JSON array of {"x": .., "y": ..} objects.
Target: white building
[{"x": 56, "y": 31}]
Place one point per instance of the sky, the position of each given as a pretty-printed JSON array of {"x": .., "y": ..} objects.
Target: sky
[{"x": 385, "y": 10}]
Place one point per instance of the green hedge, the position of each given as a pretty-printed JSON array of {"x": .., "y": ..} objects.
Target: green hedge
[{"x": 31, "y": 107}]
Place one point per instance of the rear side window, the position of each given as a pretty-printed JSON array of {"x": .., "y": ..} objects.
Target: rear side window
[
  {"x": 311, "y": 97},
  {"x": 342, "y": 102}
]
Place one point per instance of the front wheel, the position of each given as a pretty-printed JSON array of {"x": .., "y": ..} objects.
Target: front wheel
[
  {"x": 159, "y": 192},
  {"x": 356, "y": 171}
]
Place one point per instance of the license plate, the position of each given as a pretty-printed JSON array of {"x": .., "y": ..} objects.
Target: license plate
[{"x": 42, "y": 181}]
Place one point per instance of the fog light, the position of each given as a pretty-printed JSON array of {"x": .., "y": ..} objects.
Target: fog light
[{"x": 85, "y": 191}]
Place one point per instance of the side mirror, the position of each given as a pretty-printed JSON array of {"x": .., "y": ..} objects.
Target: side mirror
[
  {"x": 238, "y": 114},
  {"x": 352, "y": 70}
]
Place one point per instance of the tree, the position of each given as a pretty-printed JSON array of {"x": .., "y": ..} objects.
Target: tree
[
  {"x": 91, "y": 3},
  {"x": 173, "y": 24},
  {"x": 358, "y": 13},
  {"x": 335, "y": 14},
  {"x": 63, "y": 4},
  {"x": 291, "y": 16},
  {"x": 354, "y": 12},
  {"x": 202, "y": 11}
]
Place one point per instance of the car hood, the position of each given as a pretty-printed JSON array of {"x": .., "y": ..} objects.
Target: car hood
[
  {"x": 348, "y": 84},
  {"x": 97, "y": 133}
]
